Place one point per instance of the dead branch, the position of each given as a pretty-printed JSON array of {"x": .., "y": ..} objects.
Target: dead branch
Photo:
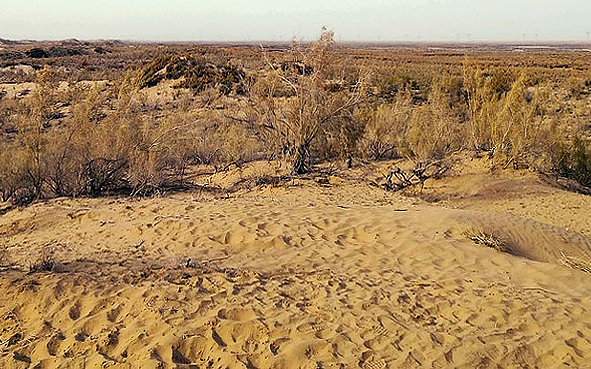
[{"x": 399, "y": 179}]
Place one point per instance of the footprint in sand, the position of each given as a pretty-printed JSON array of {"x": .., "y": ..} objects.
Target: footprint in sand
[{"x": 54, "y": 343}]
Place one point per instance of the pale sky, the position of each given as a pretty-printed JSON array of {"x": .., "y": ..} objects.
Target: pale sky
[{"x": 237, "y": 20}]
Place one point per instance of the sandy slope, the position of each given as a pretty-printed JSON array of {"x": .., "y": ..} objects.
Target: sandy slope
[{"x": 304, "y": 275}]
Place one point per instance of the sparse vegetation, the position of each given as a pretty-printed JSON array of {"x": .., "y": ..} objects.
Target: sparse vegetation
[
  {"x": 303, "y": 104},
  {"x": 194, "y": 73}
]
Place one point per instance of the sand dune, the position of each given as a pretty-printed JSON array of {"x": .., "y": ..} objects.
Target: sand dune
[{"x": 304, "y": 275}]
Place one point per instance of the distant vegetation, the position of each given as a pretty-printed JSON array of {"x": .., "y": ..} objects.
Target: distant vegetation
[
  {"x": 196, "y": 74},
  {"x": 303, "y": 105}
]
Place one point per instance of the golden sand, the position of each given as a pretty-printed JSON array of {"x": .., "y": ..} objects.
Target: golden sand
[{"x": 304, "y": 275}]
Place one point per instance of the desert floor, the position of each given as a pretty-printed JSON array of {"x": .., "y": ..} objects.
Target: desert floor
[{"x": 325, "y": 271}]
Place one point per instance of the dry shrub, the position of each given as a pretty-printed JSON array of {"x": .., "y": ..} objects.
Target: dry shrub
[
  {"x": 528, "y": 124},
  {"x": 14, "y": 183},
  {"x": 435, "y": 129},
  {"x": 427, "y": 130},
  {"x": 486, "y": 90},
  {"x": 16, "y": 75},
  {"x": 195, "y": 73},
  {"x": 575, "y": 263},
  {"x": 578, "y": 87},
  {"x": 23, "y": 159},
  {"x": 488, "y": 239},
  {"x": 572, "y": 159},
  {"x": 91, "y": 154},
  {"x": 46, "y": 261},
  {"x": 516, "y": 123},
  {"x": 9, "y": 108},
  {"x": 399, "y": 179},
  {"x": 209, "y": 97},
  {"x": 386, "y": 127},
  {"x": 320, "y": 104}
]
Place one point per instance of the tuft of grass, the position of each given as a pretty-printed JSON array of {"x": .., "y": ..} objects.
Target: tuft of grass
[
  {"x": 46, "y": 262},
  {"x": 488, "y": 239}
]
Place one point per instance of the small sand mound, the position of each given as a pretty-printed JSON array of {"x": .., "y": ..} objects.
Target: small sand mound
[{"x": 528, "y": 238}]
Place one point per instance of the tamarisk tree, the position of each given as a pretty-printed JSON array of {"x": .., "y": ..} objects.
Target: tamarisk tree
[{"x": 299, "y": 100}]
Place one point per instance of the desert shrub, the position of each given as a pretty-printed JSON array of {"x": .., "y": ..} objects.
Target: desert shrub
[
  {"x": 155, "y": 72},
  {"x": 91, "y": 153},
  {"x": 390, "y": 80},
  {"x": 530, "y": 124},
  {"x": 210, "y": 139},
  {"x": 37, "y": 53},
  {"x": 320, "y": 103},
  {"x": 572, "y": 159},
  {"x": 435, "y": 129},
  {"x": 488, "y": 239},
  {"x": 26, "y": 156},
  {"x": 209, "y": 97},
  {"x": 9, "y": 113},
  {"x": 338, "y": 140},
  {"x": 426, "y": 131},
  {"x": 386, "y": 127},
  {"x": 482, "y": 102},
  {"x": 527, "y": 125},
  {"x": 13, "y": 175},
  {"x": 578, "y": 86},
  {"x": 428, "y": 136},
  {"x": 16, "y": 75},
  {"x": 515, "y": 124}
]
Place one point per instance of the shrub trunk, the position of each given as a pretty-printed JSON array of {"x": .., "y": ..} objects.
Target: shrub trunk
[{"x": 302, "y": 161}]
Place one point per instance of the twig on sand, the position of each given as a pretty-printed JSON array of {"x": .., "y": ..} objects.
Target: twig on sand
[{"x": 399, "y": 179}]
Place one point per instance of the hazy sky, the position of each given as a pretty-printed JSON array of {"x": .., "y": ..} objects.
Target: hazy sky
[{"x": 377, "y": 20}]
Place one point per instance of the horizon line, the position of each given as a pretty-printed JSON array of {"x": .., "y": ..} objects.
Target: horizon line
[{"x": 287, "y": 41}]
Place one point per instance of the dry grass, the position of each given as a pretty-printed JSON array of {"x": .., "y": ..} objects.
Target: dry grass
[{"x": 488, "y": 239}]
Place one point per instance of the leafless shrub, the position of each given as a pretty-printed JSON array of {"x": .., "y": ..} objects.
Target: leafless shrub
[
  {"x": 399, "y": 179},
  {"x": 296, "y": 121}
]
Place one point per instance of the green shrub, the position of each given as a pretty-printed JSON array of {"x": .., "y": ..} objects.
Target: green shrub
[{"x": 194, "y": 73}]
